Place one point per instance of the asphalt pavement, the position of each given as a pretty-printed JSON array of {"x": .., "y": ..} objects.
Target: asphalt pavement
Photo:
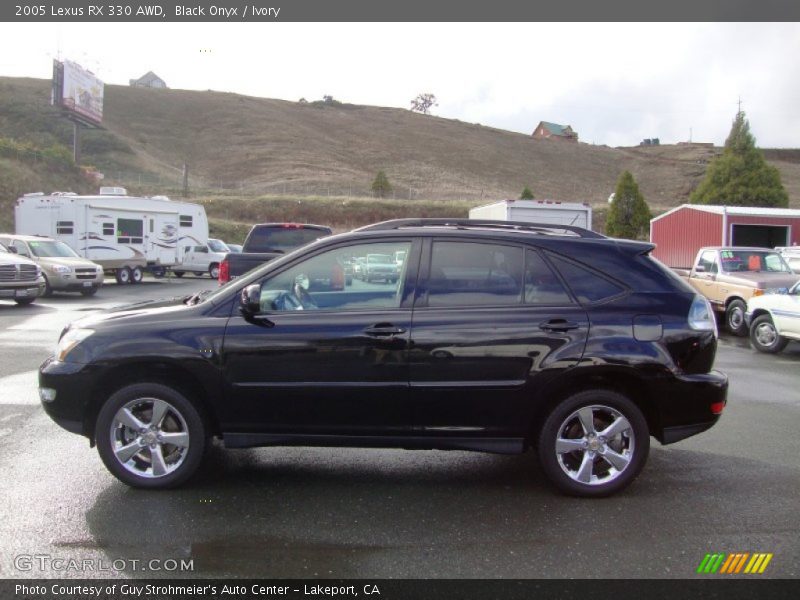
[{"x": 299, "y": 512}]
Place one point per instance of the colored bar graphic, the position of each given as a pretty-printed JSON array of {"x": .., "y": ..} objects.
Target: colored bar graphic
[{"x": 735, "y": 563}]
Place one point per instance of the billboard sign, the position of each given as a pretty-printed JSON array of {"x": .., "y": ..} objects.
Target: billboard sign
[{"x": 78, "y": 91}]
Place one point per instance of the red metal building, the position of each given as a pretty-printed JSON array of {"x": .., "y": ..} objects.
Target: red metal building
[{"x": 682, "y": 231}]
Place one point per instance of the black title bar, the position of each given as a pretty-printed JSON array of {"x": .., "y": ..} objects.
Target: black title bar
[{"x": 192, "y": 11}]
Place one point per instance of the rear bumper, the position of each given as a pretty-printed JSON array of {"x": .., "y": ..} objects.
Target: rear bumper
[{"x": 691, "y": 404}]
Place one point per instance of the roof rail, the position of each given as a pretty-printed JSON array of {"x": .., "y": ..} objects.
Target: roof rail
[{"x": 543, "y": 228}]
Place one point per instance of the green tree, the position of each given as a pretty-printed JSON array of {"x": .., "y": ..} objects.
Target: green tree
[
  {"x": 526, "y": 194},
  {"x": 629, "y": 216},
  {"x": 381, "y": 185},
  {"x": 741, "y": 176}
]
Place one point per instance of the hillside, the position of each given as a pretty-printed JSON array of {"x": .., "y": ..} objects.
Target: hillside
[{"x": 253, "y": 146}]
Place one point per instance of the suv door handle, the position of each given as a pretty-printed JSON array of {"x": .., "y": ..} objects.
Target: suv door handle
[
  {"x": 384, "y": 329},
  {"x": 554, "y": 325}
]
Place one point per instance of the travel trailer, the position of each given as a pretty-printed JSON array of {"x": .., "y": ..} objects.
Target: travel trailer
[
  {"x": 548, "y": 212},
  {"x": 125, "y": 234}
]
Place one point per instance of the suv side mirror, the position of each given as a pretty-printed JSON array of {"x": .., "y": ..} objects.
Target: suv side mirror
[{"x": 250, "y": 299}]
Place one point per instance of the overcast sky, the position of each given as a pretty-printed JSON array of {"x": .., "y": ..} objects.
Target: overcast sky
[{"x": 615, "y": 84}]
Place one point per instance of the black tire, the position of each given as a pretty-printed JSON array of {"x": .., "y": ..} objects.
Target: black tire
[
  {"x": 734, "y": 318},
  {"x": 123, "y": 275},
  {"x": 25, "y": 301},
  {"x": 213, "y": 270},
  {"x": 178, "y": 274},
  {"x": 631, "y": 444},
  {"x": 48, "y": 291},
  {"x": 108, "y": 428},
  {"x": 137, "y": 274},
  {"x": 765, "y": 337},
  {"x": 89, "y": 291}
]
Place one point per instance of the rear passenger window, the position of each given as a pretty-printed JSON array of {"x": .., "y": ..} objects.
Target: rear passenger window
[
  {"x": 587, "y": 285},
  {"x": 542, "y": 285},
  {"x": 469, "y": 274}
]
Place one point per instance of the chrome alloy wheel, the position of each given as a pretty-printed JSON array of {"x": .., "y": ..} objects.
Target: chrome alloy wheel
[
  {"x": 149, "y": 437},
  {"x": 595, "y": 444}
]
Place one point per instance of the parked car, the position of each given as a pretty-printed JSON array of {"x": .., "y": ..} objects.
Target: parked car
[
  {"x": 62, "y": 268},
  {"x": 380, "y": 267},
  {"x": 791, "y": 254},
  {"x": 730, "y": 275},
  {"x": 497, "y": 338},
  {"x": 203, "y": 259},
  {"x": 267, "y": 241},
  {"x": 774, "y": 319},
  {"x": 20, "y": 279}
]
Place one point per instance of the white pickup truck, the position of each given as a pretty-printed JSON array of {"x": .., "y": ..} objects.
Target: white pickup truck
[{"x": 202, "y": 260}]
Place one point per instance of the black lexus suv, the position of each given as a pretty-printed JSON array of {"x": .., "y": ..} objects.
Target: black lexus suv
[{"x": 494, "y": 336}]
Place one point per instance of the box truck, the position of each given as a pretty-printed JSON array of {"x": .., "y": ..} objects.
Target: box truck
[
  {"x": 548, "y": 212},
  {"x": 124, "y": 234}
]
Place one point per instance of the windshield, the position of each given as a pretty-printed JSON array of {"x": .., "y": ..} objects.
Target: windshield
[
  {"x": 379, "y": 259},
  {"x": 753, "y": 261},
  {"x": 52, "y": 249},
  {"x": 282, "y": 238},
  {"x": 218, "y": 246}
]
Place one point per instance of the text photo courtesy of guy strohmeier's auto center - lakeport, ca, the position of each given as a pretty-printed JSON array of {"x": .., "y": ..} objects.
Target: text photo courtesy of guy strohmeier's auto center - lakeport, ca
[{"x": 524, "y": 307}]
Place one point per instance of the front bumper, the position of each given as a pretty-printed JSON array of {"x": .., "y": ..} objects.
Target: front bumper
[
  {"x": 26, "y": 290},
  {"x": 72, "y": 383}
]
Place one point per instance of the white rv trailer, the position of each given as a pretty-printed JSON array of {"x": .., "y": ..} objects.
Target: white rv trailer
[
  {"x": 125, "y": 234},
  {"x": 549, "y": 212}
]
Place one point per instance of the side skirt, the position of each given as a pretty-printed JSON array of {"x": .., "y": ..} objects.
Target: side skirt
[{"x": 493, "y": 445}]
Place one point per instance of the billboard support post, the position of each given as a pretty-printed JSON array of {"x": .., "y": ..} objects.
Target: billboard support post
[{"x": 76, "y": 142}]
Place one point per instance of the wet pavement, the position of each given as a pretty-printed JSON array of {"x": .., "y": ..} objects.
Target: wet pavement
[{"x": 299, "y": 512}]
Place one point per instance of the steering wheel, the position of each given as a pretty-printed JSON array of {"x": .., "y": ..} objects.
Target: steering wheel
[{"x": 305, "y": 298}]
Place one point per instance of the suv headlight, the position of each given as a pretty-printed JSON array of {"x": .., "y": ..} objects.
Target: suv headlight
[
  {"x": 69, "y": 341},
  {"x": 62, "y": 269},
  {"x": 701, "y": 315}
]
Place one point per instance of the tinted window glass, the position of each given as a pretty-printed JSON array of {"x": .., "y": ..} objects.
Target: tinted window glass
[
  {"x": 465, "y": 274},
  {"x": 542, "y": 285},
  {"x": 587, "y": 285},
  {"x": 282, "y": 239},
  {"x": 340, "y": 279}
]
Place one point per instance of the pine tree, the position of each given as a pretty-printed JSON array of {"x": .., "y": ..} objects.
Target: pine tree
[
  {"x": 741, "y": 176},
  {"x": 629, "y": 216},
  {"x": 526, "y": 194},
  {"x": 381, "y": 185}
]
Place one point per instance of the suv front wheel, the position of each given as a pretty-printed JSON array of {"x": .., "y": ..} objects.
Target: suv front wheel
[
  {"x": 594, "y": 443},
  {"x": 150, "y": 436}
]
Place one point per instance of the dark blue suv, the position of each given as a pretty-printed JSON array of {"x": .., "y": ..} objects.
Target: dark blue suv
[{"x": 494, "y": 336}]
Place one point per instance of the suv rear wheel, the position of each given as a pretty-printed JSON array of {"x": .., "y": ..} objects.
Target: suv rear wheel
[
  {"x": 150, "y": 436},
  {"x": 594, "y": 443}
]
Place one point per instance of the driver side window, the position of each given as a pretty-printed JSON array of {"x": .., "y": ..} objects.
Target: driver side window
[{"x": 358, "y": 277}]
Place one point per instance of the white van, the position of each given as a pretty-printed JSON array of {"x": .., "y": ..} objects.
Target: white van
[{"x": 202, "y": 259}]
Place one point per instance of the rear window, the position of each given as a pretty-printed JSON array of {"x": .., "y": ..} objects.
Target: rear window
[
  {"x": 282, "y": 239},
  {"x": 587, "y": 285}
]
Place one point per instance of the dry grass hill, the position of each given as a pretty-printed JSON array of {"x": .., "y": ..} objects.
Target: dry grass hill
[{"x": 247, "y": 147}]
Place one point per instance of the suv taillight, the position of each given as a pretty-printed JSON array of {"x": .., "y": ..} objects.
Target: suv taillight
[
  {"x": 224, "y": 272},
  {"x": 701, "y": 315}
]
